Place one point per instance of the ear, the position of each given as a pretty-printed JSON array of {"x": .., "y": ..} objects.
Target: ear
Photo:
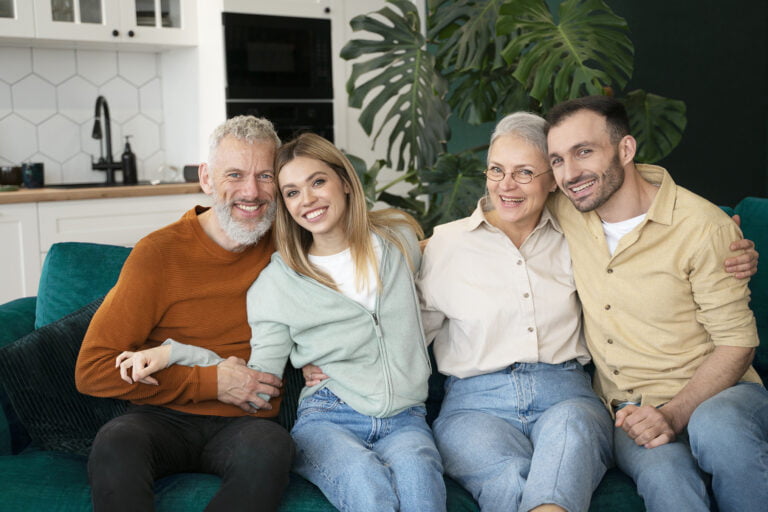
[
  {"x": 206, "y": 180},
  {"x": 627, "y": 149}
]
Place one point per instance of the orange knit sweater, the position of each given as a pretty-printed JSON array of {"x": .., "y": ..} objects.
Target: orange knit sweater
[{"x": 176, "y": 283}]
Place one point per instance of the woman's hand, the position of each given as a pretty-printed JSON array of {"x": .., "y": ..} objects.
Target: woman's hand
[
  {"x": 312, "y": 375},
  {"x": 143, "y": 363}
]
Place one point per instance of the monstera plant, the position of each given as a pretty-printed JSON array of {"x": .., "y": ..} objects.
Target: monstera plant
[{"x": 482, "y": 59}]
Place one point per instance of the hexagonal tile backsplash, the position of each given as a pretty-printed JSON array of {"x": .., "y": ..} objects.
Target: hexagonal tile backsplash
[{"x": 47, "y": 102}]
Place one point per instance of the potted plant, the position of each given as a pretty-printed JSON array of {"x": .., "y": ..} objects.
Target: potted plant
[{"x": 482, "y": 59}]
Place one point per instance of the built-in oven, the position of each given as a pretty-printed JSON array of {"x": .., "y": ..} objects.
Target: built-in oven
[
  {"x": 280, "y": 67},
  {"x": 289, "y": 117}
]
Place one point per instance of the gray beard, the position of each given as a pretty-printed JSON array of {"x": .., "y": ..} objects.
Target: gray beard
[{"x": 242, "y": 233}]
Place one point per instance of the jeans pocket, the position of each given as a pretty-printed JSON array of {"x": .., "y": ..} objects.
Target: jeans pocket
[
  {"x": 418, "y": 411},
  {"x": 323, "y": 400}
]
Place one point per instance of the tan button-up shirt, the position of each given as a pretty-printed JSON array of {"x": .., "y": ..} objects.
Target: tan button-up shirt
[
  {"x": 491, "y": 304},
  {"x": 657, "y": 307}
]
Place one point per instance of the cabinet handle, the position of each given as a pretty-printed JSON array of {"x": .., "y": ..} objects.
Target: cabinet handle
[
  {"x": 130, "y": 33},
  {"x": 115, "y": 33},
  {"x": 327, "y": 10}
]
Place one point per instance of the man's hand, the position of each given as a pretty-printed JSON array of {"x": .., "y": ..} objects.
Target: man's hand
[
  {"x": 743, "y": 265},
  {"x": 143, "y": 363},
  {"x": 239, "y": 385},
  {"x": 313, "y": 375},
  {"x": 646, "y": 425}
]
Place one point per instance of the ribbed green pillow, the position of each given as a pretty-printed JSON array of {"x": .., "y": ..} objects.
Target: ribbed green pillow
[
  {"x": 37, "y": 374},
  {"x": 75, "y": 274}
]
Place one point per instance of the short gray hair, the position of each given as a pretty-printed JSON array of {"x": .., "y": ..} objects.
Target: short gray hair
[
  {"x": 525, "y": 125},
  {"x": 244, "y": 128}
]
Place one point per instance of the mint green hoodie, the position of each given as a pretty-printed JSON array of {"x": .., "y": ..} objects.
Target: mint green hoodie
[{"x": 376, "y": 361}]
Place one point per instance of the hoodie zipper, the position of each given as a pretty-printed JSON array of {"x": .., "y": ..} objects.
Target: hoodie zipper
[{"x": 377, "y": 327}]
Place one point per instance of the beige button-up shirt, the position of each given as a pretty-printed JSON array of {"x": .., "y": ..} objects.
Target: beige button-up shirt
[
  {"x": 657, "y": 307},
  {"x": 491, "y": 304}
]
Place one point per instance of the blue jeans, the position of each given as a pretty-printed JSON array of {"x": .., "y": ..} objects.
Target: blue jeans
[
  {"x": 366, "y": 463},
  {"x": 727, "y": 438},
  {"x": 525, "y": 436}
]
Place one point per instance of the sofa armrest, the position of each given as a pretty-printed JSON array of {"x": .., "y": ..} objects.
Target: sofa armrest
[{"x": 18, "y": 319}]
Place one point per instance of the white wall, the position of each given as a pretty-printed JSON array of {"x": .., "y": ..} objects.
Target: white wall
[{"x": 47, "y": 100}]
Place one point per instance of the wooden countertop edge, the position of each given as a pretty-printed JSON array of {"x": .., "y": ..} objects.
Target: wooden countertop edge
[{"x": 39, "y": 195}]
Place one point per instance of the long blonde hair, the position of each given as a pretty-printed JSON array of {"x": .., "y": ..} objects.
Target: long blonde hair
[{"x": 293, "y": 241}]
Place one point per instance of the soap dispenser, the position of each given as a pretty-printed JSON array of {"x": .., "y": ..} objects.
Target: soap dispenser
[{"x": 129, "y": 165}]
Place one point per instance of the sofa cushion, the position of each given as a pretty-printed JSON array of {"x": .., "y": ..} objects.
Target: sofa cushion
[
  {"x": 37, "y": 373},
  {"x": 75, "y": 274},
  {"x": 17, "y": 318}
]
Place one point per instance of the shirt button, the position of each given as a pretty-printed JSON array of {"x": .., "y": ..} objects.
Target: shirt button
[
  {"x": 615, "y": 372},
  {"x": 519, "y": 262},
  {"x": 530, "y": 329},
  {"x": 610, "y": 271},
  {"x": 607, "y": 307},
  {"x": 610, "y": 341},
  {"x": 526, "y": 295}
]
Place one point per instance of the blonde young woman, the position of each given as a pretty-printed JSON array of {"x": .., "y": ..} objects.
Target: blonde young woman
[{"x": 340, "y": 294}]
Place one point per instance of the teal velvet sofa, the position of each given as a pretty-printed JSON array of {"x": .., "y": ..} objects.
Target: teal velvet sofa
[{"x": 42, "y": 468}]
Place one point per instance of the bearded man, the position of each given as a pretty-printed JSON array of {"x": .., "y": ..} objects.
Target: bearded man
[
  {"x": 670, "y": 331},
  {"x": 187, "y": 282}
]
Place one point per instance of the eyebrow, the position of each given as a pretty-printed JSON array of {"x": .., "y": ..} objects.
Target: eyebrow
[
  {"x": 516, "y": 166},
  {"x": 309, "y": 178},
  {"x": 575, "y": 146}
]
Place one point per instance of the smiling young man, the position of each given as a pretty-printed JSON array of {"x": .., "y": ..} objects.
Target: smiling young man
[
  {"x": 670, "y": 331},
  {"x": 188, "y": 282}
]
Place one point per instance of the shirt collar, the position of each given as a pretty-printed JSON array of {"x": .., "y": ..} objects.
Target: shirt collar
[{"x": 664, "y": 203}]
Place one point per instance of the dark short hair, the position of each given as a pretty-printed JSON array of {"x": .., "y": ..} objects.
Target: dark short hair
[{"x": 610, "y": 108}]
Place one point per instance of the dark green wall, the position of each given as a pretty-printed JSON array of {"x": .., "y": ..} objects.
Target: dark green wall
[{"x": 714, "y": 56}]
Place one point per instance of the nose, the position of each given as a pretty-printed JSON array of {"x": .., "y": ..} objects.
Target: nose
[
  {"x": 563, "y": 172},
  {"x": 252, "y": 187},
  {"x": 308, "y": 197},
  {"x": 508, "y": 182}
]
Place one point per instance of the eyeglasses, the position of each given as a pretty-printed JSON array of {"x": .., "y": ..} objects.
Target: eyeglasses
[{"x": 521, "y": 176}]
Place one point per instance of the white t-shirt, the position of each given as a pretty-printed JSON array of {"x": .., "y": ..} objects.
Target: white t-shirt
[
  {"x": 615, "y": 230},
  {"x": 342, "y": 270}
]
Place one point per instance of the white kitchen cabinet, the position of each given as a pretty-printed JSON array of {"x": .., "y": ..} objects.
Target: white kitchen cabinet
[
  {"x": 116, "y": 221},
  {"x": 135, "y": 22},
  {"x": 20, "y": 253},
  {"x": 17, "y": 18}
]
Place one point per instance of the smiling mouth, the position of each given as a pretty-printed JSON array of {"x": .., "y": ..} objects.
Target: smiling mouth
[
  {"x": 511, "y": 200},
  {"x": 315, "y": 213},
  {"x": 250, "y": 208},
  {"x": 582, "y": 187}
]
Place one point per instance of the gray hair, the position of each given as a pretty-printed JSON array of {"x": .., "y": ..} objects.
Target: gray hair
[
  {"x": 244, "y": 128},
  {"x": 525, "y": 125}
]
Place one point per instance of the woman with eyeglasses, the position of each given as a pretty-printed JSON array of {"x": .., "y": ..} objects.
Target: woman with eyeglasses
[{"x": 520, "y": 426}]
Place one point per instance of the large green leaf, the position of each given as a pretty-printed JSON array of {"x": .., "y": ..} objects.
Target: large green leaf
[
  {"x": 464, "y": 32},
  {"x": 658, "y": 124},
  {"x": 454, "y": 185},
  {"x": 586, "y": 51},
  {"x": 480, "y": 97},
  {"x": 402, "y": 76}
]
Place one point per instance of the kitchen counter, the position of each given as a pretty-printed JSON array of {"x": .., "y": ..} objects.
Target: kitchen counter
[{"x": 38, "y": 195}]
